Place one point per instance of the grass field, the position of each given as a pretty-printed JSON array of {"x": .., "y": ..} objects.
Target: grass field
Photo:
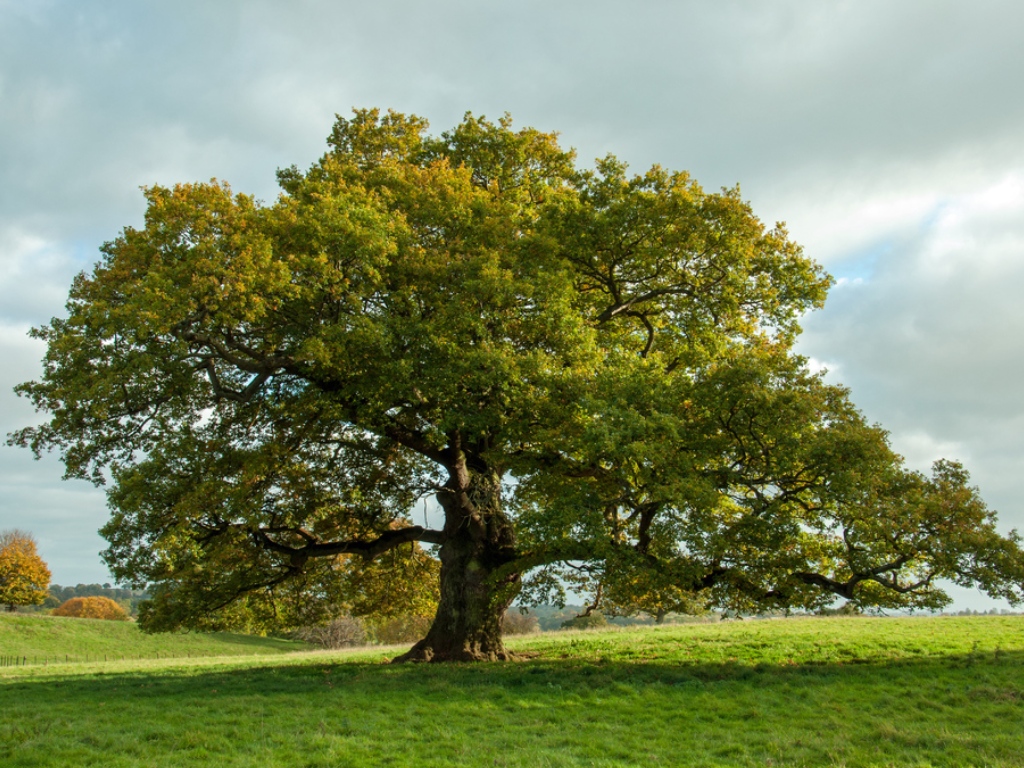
[
  {"x": 52, "y": 639},
  {"x": 840, "y": 691}
]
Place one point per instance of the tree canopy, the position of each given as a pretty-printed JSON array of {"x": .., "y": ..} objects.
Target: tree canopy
[
  {"x": 591, "y": 372},
  {"x": 24, "y": 577}
]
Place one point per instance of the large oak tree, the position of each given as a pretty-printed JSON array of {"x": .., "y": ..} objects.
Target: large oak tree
[{"x": 589, "y": 371}]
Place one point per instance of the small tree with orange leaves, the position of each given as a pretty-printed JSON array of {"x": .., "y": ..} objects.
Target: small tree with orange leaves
[
  {"x": 24, "y": 576},
  {"x": 91, "y": 608}
]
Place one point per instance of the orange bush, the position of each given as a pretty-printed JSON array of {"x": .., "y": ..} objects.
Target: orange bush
[{"x": 91, "y": 608}]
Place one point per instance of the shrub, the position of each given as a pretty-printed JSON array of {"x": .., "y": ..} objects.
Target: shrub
[
  {"x": 128, "y": 599},
  {"x": 344, "y": 631},
  {"x": 91, "y": 608},
  {"x": 517, "y": 623},
  {"x": 593, "y": 621}
]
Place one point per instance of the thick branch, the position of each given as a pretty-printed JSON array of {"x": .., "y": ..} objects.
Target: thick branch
[
  {"x": 366, "y": 549},
  {"x": 250, "y": 360},
  {"x": 220, "y": 391}
]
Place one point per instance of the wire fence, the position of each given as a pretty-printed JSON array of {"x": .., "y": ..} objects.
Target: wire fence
[{"x": 41, "y": 660}]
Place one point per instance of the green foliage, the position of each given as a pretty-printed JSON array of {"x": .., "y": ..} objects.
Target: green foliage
[
  {"x": 398, "y": 629},
  {"x": 397, "y": 584},
  {"x": 23, "y": 574},
  {"x": 591, "y": 371}
]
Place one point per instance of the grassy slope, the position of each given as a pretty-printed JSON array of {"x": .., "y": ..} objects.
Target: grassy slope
[
  {"x": 39, "y": 637},
  {"x": 853, "y": 692}
]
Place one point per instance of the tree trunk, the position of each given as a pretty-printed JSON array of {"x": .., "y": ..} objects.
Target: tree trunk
[{"x": 479, "y": 540}]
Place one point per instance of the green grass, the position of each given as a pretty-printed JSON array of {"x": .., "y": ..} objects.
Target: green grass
[
  {"x": 53, "y": 639},
  {"x": 844, "y": 692}
]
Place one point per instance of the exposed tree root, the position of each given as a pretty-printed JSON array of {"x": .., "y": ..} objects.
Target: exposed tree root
[{"x": 423, "y": 652}]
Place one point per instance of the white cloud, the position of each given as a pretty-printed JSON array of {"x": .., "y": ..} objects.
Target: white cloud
[
  {"x": 22, "y": 356},
  {"x": 35, "y": 274},
  {"x": 932, "y": 344},
  {"x": 64, "y": 517},
  {"x": 817, "y": 366},
  {"x": 921, "y": 450}
]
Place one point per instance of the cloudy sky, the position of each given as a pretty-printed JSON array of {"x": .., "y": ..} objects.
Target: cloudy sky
[{"x": 888, "y": 135}]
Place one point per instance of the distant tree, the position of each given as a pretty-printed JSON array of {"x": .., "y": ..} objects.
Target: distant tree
[
  {"x": 91, "y": 608},
  {"x": 24, "y": 576},
  {"x": 593, "y": 620}
]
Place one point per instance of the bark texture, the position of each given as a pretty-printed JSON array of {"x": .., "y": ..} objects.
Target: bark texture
[{"x": 479, "y": 539}]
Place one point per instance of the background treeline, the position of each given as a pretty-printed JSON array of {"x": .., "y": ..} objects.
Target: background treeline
[
  {"x": 989, "y": 612},
  {"x": 551, "y": 617},
  {"x": 346, "y": 631},
  {"x": 353, "y": 631}
]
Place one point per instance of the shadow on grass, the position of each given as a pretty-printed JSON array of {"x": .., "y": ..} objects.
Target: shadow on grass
[
  {"x": 538, "y": 675},
  {"x": 317, "y": 711}
]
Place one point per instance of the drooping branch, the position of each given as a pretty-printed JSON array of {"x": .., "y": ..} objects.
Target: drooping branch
[
  {"x": 368, "y": 550},
  {"x": 845, "y": 589}
]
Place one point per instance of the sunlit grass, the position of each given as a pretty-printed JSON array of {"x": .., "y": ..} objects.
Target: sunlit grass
[
  {"x": 52, "y": 639},
  {"x": 795, "y": 692}
]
